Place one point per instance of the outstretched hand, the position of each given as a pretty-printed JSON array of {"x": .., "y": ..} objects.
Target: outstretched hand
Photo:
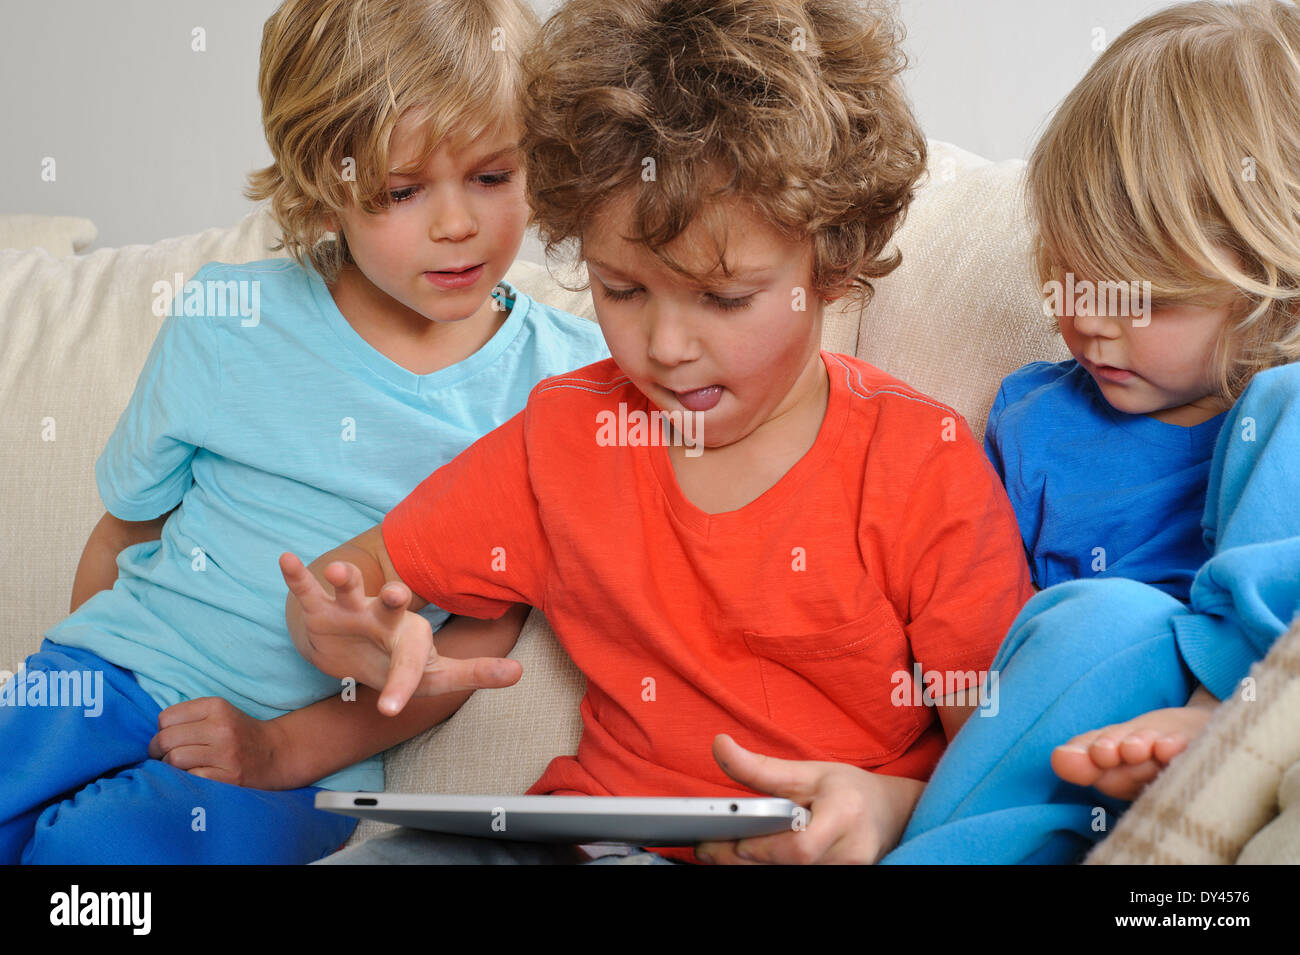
[{"x": 377, "y": 641}]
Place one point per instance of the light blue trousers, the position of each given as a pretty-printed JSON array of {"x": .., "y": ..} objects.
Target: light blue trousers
[{"x": 1080, "y": 656}]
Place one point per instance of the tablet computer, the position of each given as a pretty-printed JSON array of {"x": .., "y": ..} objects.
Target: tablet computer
[{"x": 636, "y": 820}]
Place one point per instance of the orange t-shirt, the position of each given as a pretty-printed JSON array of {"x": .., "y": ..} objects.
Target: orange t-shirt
[{"x": 792, "y": 623}]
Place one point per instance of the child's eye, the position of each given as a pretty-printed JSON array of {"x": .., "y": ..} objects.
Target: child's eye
[
  {"x": 726, "y": 304},
  {"x": 618, "y": 294},
  {"x": 401, "y": 195},
  {"x": 495, "y": 179},
  {"x": 731, "y": 304}
]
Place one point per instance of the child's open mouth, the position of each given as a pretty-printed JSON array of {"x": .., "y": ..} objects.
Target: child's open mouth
[
  {"x": 456, "y": 278},
  {"x": 701, "y": 399},
  {"x": 1111, "y": 373}
]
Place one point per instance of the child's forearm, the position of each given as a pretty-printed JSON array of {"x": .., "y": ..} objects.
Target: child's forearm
[
  {"x": 904, "y": 793},
  {"x": 97, "y": 569},
  {"x": 330, "y": 735}
]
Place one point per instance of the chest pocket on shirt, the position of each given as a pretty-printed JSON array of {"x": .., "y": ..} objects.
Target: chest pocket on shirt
[{"x": 833, "y": 688}]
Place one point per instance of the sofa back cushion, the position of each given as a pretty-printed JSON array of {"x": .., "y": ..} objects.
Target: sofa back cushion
[{"x": 963, "y": 310}]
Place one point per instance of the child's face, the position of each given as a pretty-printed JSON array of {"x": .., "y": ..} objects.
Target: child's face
[
  {"x": 737, "y": 351},
  {"x": 1163, "y": 369},
  {"x": 465, "y": 207}
]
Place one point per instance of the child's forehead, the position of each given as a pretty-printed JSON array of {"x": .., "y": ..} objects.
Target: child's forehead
[
  {"x": 726, "y": 241},
  {"x": 412, "y": 141}
]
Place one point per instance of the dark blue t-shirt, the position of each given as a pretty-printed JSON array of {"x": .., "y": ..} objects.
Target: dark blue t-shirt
[{"x": 1097, "y": 492}]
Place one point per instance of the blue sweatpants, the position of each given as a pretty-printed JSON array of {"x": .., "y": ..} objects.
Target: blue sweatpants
[
  {"x": 1081, "y": 655},
  {"x": 77, "y": 788}
]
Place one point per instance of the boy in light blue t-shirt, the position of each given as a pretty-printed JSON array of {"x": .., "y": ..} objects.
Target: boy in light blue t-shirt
[{"x": 287, "y": 405}]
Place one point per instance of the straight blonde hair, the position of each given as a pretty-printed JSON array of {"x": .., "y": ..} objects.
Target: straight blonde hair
[
  {"x": 1176, "y": 160},
  {"x": 335, "y": 78}
]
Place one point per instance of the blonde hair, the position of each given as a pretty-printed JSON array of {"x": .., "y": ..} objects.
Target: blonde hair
[
  {"x": 791, "y": 105},
  {"x": 335, "y": 78},
  {"x": 1176, "y": 160}
]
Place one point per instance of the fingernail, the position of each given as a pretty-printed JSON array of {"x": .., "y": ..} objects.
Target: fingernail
[{"x": 703, "y": 857}]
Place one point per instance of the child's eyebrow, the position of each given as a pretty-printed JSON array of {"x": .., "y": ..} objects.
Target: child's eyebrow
[
  {"x": 740, "y": 272},
  {"x": 511, "y": 151}
]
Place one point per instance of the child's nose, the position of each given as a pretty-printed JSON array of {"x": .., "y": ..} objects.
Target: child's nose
[
  {"x": 450, "y": 218},
  {"x": 1087, "y": 322},
  {"x": 669, "y": 339}
]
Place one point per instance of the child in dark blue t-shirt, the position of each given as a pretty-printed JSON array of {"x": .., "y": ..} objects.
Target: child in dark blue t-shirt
[
  {"x": 1169, "y": 248},
  {"x": 1099, "y": 492}
]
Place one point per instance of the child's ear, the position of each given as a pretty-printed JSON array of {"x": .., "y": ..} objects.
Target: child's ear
[{"x": 331, "y": 222}]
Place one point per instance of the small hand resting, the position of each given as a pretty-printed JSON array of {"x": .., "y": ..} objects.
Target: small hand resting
[
  {"x": 1120, "y": 760},
  {"x": 377, "y": 640}
]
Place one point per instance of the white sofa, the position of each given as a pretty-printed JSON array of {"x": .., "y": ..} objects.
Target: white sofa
[{"x": 960, "y": 313}]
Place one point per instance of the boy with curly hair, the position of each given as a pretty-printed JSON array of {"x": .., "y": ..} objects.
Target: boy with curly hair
[{"x": 725, "y": 171}]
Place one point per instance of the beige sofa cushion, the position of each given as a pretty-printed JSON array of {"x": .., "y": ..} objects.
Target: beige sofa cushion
[
  {"x": 58, "y": 235},
  {"x": 963, "y": 310}
]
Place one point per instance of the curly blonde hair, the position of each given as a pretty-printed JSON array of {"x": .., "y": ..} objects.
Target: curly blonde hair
[
  {"x": 791, "y": 105},
  {"x": 1176, "y": 160},
  {"x": 336, "y": 76}
]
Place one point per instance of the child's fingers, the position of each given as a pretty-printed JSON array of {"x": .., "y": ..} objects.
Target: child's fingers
[
  {"x": 805, "y": 847},
  {"x": 187, "y": 711},
  {"x": 408, "y": 655},
  {"x": 766, "y": 774},
  {"x": 720, "y": 853},
  {"x": 177, "y": 736},
  {"x": 801, "y": 847},
  {"x": 394, "y": 597},
  {"x": 302, "y": 582},
  {"x": 349, "y": 585},
  {"x": 187, "y": 757},
  {"x": 450, "y": 675},
  {"x": 213, "y": 773}
]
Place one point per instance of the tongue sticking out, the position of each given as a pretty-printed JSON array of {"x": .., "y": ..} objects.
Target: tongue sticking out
[{"x": 701, "y": 399}]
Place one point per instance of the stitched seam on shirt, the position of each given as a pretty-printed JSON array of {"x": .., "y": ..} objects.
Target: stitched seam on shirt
[
  {"x": 215, "y": 405},
  {"x": 823, "y": 653},
  {"x": 613, "y": 386},
  {"x": 850, "y": 372}
]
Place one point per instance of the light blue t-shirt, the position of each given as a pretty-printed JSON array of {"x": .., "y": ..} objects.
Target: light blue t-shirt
[
  {"x": 1097, "y": 492},
  {"x": 276, "y": 427}
]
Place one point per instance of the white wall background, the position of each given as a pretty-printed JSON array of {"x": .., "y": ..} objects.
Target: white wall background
[{"x": 152, "y": 139}]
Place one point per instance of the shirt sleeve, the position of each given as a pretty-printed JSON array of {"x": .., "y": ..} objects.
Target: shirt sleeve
[
  {"x": 144, "y": 470},
  {"x": 992, "y": 448},
  {"x": 469, "y": 538},
  {"x": 1248, "y": 593},
  {"x": 960, "y": 561}
]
